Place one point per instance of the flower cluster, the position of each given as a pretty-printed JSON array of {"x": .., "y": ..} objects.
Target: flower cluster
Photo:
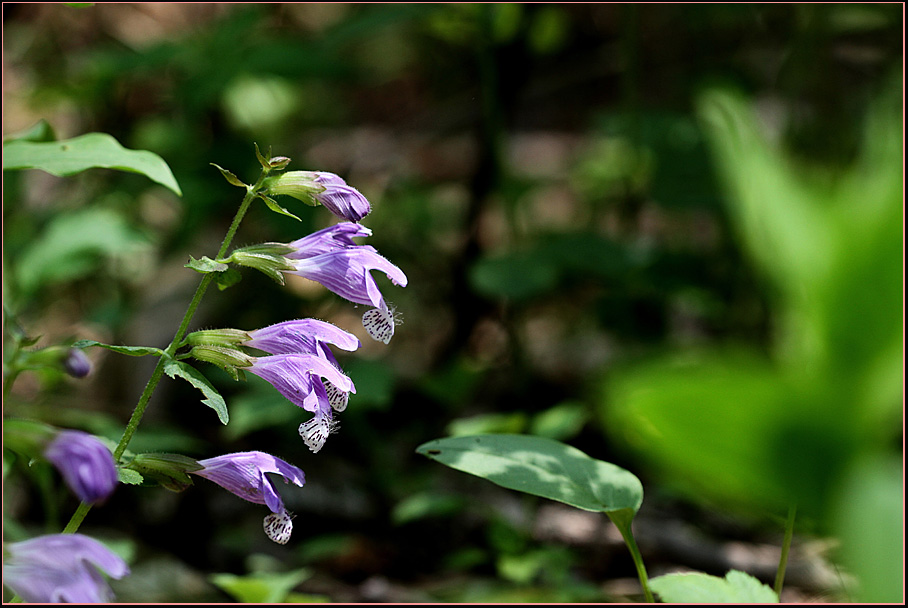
[{"x": 61, "y": 568}]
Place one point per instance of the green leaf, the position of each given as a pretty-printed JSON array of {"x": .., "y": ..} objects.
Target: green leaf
[
  {"x": 272, "y": 204},
  {"x": 212, "y": 398},
  {"x": 89, "y": 151},
  {"x": 228, "y": 278},
  {"x": 133, "y": 351},
  {"x": 40, "y": 131},
  {"x": 543, "y": 467},
  {"x": 129, "y": 476},
  {"x": 230, "y": 177},
  {"x": 206, "y": 265},
  {"x": 262, "y": 587},
  {"x": 698, "y": 588}
]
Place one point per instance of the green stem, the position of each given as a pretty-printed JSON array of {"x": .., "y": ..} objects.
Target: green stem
[
  {"x": 625, "y": 528},
  {"x": 171, "y": 349},
  {"x": 786, "y": 546}
]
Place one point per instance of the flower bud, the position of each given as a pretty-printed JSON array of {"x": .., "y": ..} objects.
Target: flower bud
[
  {"x": 217, "y": 337},
  {"x": 227, "y": 358},
  {"x": 278, "y": 162},
  {"x": 76, "y": 363},
  {"x": 321, "y": 187}
]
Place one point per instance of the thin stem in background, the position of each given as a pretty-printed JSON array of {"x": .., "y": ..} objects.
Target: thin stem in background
[{"x": 786, "y": 546}]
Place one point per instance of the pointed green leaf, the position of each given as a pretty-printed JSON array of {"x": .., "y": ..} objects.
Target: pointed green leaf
[
  {"x": 698, "y": 588},
  {"x": 40, "y": 131},
  {"x": 205, "y": 265},
  {"x": 229, "y": 176},
  {"x": 133, "y": 351},
  {"x": 277, "y": 208},
  {"x": 543, "y": 467},
  {"x": 212, "y": 398},
  {"x": 89, "y": 151}
]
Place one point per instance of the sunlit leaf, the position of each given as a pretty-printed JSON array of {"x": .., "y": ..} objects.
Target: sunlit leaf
[
  {"x": 698, "y": 588},
  {"x": 543, "y": 467},
  {"x": 89, "y": 151},
  {"x": 262, "y": 587}
]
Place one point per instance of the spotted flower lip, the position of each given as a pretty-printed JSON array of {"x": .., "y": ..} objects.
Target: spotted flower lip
[
  {"x": 85, "y": 463},
  {"x": 61, "y": 568},
  {"x": 245, "y": 475},
  {"x": 293, "y": 376}
]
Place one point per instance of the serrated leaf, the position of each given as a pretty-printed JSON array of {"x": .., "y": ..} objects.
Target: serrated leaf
[
  {"x": 129, "y": 476},
  {"x": 205, "y": 265},
  {"x": 698, "y": 588},
  {"x": 212, "y": 398},
  {"x": 229, "y": 176},
  {"x": 89, "y": 151},
  {"x": 133, "y": 351},
  {"x": 543, "y": 467},
  {"x": 228, "y": 278},
  {"x": 277, "y": 208}
]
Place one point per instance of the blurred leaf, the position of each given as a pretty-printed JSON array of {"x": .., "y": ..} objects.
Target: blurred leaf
[
  {"x": 39, "y": 132},
  {"x": 89, "y": 151},
  {"x": 258, "y": 408},
  {"x": 73, "y": 245},
  {"x": 260, "y": 588},
  {"x": 375, "y": 382},
  {"x": 697, "y": 588},
  {"x": 488, "y": 423},
  {"x": 542, "y": 467},
  {"x": 706, "y": 420},
  {"x": 869, "y": 507},
  {"x": 212, "y": 398},
  {"x": 133, "y": 351},
  {"x": 424, "y": 505},
  {"x": 516, "y": 276},
  {"x": 560, "y": 422}
]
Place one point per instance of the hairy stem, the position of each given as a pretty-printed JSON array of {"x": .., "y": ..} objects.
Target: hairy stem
[{"x": 171, "y": 349}]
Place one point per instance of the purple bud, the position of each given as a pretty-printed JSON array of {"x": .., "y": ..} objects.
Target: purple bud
[
  {"x": 76, "y": 363},
  {"x": 86, "y": 465}
]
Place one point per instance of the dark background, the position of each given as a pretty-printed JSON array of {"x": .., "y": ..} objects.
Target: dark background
[{"x": 538, "y": 173}]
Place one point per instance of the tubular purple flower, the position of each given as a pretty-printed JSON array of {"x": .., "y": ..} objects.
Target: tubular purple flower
[
  {"x": 301, "y": 336},
  {"x": 61, "y": 568},
  {"x": 86, "y": 465},
  {"x": 332, "y": 238},
  {"x": 293, "y": 374},
  {"x": 348, "y": 273},
  {"x": 307, "y": 336},
  {"x": 328, "y": 189},
  {"x": 244, "y": 474}
]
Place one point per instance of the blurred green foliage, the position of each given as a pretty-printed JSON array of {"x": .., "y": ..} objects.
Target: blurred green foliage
[{"x": 554, "y": 181}]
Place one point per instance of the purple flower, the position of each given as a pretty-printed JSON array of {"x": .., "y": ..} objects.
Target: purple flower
[
  {"x": 244, "y": 474},
  {"x": 61, "y": 568},
  {"x": 307, "y": 336},
  {"x": 332, "y": 238},
  {"x": 297, "y": 376},
  {"x": 321, "y": 187},
  {"x": 340, "y": 199},
  {"x": 86, "y": 464},
  {"x": 348, "y": 273}
]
